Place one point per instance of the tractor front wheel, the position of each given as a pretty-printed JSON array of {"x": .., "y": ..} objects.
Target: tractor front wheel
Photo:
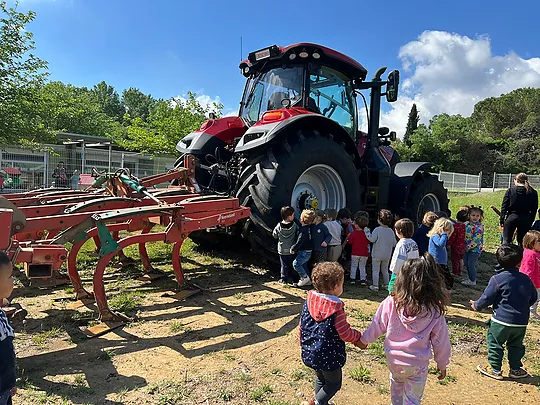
[
  {"x": 427, "y": 194},
  {"x": 304, "y": 169}
]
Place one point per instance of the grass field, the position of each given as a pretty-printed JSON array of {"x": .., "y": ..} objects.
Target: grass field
[{"x": 236, "y": 343}]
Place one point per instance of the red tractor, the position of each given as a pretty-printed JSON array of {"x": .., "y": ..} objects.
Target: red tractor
[{"x": 296, "y": 142}]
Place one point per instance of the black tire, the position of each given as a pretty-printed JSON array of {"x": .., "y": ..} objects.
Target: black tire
[
  {"x": 423, "y": 185},
  {"x": 267, "y": 183}
]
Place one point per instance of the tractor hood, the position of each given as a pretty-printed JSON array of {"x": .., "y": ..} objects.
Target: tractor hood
[{"x": 214, "y": 133}]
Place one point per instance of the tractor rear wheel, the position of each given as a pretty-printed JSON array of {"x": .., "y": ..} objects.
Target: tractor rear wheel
[
  {"x": 304, "y": 169},
  {"x": 427, "y": 194}
]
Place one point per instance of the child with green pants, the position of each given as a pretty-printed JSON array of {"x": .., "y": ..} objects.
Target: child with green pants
[{"x": 511, "y": 293}]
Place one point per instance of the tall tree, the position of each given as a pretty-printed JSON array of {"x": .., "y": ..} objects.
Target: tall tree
[
  {"x": 64, "y": 107},
  {"x": 168, "y": 122},
  {"x": 21, "y": 73},
  {"x": 412, "y": 124},
  {"x": 137, "y": 104},
  {"x": 109, "y": 100}
]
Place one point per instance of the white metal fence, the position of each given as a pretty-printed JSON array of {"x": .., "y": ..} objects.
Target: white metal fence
[
  {"x": 460, "y": 182},
  {"x": 22, "y": 169},
  {"x": 473, "y": 183},
  {"x": 503, "y": 181}
]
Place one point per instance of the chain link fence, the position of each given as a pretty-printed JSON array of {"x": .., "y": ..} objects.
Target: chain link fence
[{"x": 70, "y": 165}]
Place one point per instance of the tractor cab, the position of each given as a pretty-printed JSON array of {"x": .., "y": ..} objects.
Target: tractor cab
[{"x": 305, "y": 76}]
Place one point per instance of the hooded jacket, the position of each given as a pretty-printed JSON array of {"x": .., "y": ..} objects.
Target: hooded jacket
[
  {"x": 518, "y": 201},
  {"x": 323, "y": 332},
  {"x": 285, "y": 233},
  {"x": 410, "y": 339},
  {"x": 530, "y": 265}
]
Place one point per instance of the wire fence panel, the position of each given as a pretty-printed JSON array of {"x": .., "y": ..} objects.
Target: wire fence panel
[
  {"x": 460, "y": 182},
  {"x": 503, "y": 181},
  {"x": 70, "y": 166}
]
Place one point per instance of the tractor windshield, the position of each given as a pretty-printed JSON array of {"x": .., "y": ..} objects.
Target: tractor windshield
[
  {"x": 332, "y": 93},
  {"x": 265, "y": 91}
]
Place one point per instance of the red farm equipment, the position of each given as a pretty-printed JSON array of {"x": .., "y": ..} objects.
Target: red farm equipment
[
  {"x": 38, "y": 225},
  {"x": 297, "y": 142}
]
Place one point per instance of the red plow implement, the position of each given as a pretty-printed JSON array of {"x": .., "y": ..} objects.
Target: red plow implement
[{"x": 37, "y": 225}]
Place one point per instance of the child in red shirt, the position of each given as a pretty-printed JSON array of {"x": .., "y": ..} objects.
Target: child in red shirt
[
  {"x": 360, "y": 249},
  {"x": 457, "y": 243}
]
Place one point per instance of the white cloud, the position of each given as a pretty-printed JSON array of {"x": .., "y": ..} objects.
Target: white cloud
[{"x": 450, "y": 73}]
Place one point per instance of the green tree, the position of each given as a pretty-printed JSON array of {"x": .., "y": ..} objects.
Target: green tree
[
  {"x": 21, "y": 73},
  {"x": 68, "y": 108},
  {"x": 137, "y": 104},
  {"x": 168, "y": 122},
  {"x": 412, "y": 124},
  {"x": 109, "y": 100}
]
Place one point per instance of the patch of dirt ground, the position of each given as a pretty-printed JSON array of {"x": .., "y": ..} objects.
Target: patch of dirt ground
[{"x": 234, "y": 343}]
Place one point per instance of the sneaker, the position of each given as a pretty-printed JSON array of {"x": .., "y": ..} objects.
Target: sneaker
[
  {"x": 487, "y": 370},
  {"x": 468, "y": 282},
  {"x": 373, "y": 288},
  {"x": 520, "y": 373},
  {"x": 385, "y": 286},
  {"x": 282, "y": 281},
  {"x": 304, "y": 281},
  {"x": 363, "y": 282},
  {"x": 352, "y": 282}
]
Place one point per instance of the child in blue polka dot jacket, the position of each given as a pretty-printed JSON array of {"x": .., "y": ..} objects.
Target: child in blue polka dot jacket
[{"x": 324, "y": 330}]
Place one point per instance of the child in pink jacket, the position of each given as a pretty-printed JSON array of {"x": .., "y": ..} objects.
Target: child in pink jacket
[
  {"x": 413, "y": 319},
  {"x": 530, "y": 265}
]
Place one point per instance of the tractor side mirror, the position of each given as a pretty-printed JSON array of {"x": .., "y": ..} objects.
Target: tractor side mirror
[
  {"x": 392, "y": 86},
  {"x": 393, "y": 136},
  {"x": 383, "y": 131}
]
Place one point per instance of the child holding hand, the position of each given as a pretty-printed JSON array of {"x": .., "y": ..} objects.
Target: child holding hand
[
  {"x": 412, "y": 317},
  {"x": 7, "y": 352},
  {"x": 324, "y": 330}
]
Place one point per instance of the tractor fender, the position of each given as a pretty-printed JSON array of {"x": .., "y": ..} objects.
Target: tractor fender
[
  {"x": 260, "y": 135},
  {"x": 403, "y": 177}
]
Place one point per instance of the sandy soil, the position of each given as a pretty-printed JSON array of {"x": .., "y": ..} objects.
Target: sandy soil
[{"x": 234, "y": 343}]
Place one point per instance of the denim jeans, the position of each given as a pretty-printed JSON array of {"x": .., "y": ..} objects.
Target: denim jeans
[
  {"x": 327, "y": 384},
  {"x": 300, "y": 264},
  {"x": 470, "y": 259}
]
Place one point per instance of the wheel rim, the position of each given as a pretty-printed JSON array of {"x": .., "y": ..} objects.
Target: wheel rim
[
  {"x": 319, "y": 187},
  {"x": 430, "y": 202}
]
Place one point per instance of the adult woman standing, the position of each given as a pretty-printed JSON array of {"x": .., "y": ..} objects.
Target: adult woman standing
[{"x": 518, "y": 210}]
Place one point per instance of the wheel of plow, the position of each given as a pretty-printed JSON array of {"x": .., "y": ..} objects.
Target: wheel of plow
[{"x": 305, "y": 169}]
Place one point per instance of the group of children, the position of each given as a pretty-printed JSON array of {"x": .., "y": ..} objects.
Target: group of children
[
  {"x": 412, "y": 316},
  {"x": 333, "y": 236}
]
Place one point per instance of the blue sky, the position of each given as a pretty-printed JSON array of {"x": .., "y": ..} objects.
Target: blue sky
[{"x": 169, "y": 47}]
